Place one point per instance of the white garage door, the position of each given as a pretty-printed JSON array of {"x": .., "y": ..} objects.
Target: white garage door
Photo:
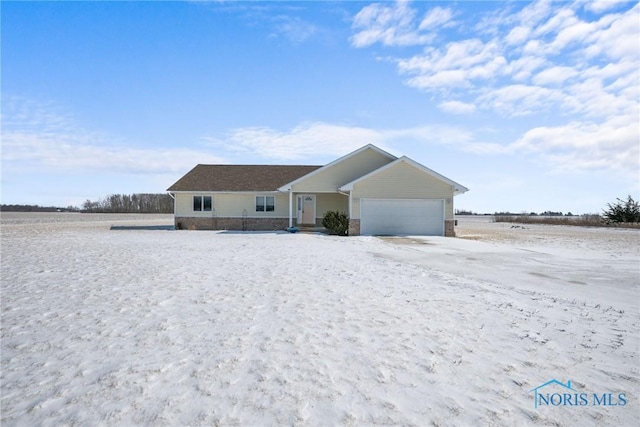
[{"x": 393, "y": 217}]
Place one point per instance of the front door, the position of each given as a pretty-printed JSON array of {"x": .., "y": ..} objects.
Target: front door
[{"x": 307, "y": 209}]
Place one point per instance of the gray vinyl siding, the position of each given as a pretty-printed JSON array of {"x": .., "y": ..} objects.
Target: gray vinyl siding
[
  {"x": 343, "y": 172},
  {"x": 231, "y": 205},
  {"x": 331, "y": 202},
  {"x": 402, "y": 181}
]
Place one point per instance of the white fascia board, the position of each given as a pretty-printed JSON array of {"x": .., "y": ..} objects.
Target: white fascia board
[
  {"x": 227, "y": 192},
  {"x": 310, "y": 192},
  {"x": 457, "y": 188},
  {"x": 287, "y": 187}
]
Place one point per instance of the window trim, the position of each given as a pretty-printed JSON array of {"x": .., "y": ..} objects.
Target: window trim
[
  {"x": 264, "y": 205},
  {"x": 203, "y": 204}
]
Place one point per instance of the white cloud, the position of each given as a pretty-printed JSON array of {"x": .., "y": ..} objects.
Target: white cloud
[
  {"x": 54, "y": 153},
  {"x": 37, "y": 136},
  {"x": 439, "y": 80},
  {"x": 294, "y": 29},
  {"x": 309, "y": 140},
  {"x": 576, "y": 62},
  {"x": 544, "y": 33},
  {"x": 517, "y": 35},
  {"x": 390, "y": 25},
  {"x": 625, "y": 84},
  {"x": 616, "y": 36},
  {"x": 522, "y": 69},
  {"x": 456, "y": 66},
  {"x": 457, "y": 107},
  {"x": 586, "y": 146},
  {"x": 305, "y": 140},
  {"x": 429, "y": 134},
  {"x": 599, "y": 6},
  {"x": 520, "y": 100},
  {"x": 574, "y": 33},
  {"x": 554, "y": 75},
  {"x": 535, "y": 12},
  {"x": 436, "y": 17},
  {"x": 560, "y": 19}
]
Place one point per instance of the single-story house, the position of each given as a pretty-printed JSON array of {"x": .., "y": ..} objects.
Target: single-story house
[{"x": 382, "y": 194}]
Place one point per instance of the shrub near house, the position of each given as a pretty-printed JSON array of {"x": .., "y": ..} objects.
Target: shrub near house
[{"x": 336, "y": 222}]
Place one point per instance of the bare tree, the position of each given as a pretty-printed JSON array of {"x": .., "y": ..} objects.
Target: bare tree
[{"x": 134, "y": 203}]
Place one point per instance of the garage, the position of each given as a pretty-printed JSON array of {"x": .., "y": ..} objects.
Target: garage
[{"x": 402, "y": 216}]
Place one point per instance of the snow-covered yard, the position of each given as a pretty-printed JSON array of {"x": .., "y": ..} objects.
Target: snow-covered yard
[{"x": 157, "y": 327}]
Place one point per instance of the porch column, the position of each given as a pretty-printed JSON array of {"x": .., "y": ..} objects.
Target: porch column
[{"x": 290, "y": 208}]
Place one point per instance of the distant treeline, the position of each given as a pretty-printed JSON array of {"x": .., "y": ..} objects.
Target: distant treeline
[
  {"x": 589, "y": 220},
  {"x": 545, "y": 213},
  {"x": 621, "y": 213},
  {"x": 114, "y": 203},
  {"x": 131, "y": 203},
  {"x": 36, "y": 208}
]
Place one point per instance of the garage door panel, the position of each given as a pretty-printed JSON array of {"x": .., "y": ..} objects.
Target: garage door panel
[{"x": 395, "y": 216}]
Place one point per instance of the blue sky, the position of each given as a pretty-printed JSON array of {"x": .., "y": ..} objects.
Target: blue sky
[{"x": 534, "y": 106}]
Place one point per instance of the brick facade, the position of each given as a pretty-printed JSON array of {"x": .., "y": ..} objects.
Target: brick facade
[
  {"x": 269, "y": 224},
  {"x": 449, "y": 230},
  {"x": 246, "y": 224},
  {"x": 354, "y": 227}
]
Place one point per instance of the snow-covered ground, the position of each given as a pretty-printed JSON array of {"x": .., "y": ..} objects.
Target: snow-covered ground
[{"x": 142, "y": 325}]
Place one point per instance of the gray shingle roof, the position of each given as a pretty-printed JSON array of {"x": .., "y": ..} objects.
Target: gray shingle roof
[{"x": 239, "y": 177}]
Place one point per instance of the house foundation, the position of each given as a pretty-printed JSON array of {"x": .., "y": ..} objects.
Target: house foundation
[
  {"x": 354, "y": 227},
  {"x": 239, "y": 224},
  {"x": 269, "y": 224},
  {"x": 449, "y": 228}
]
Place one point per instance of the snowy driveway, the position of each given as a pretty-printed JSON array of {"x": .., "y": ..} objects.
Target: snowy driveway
[{"x": 203, "y": 328}]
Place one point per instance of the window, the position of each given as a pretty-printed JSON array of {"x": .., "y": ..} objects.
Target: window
[
  {"x": 265, "y": 203},
  {"x": 202, "y": 203}
]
